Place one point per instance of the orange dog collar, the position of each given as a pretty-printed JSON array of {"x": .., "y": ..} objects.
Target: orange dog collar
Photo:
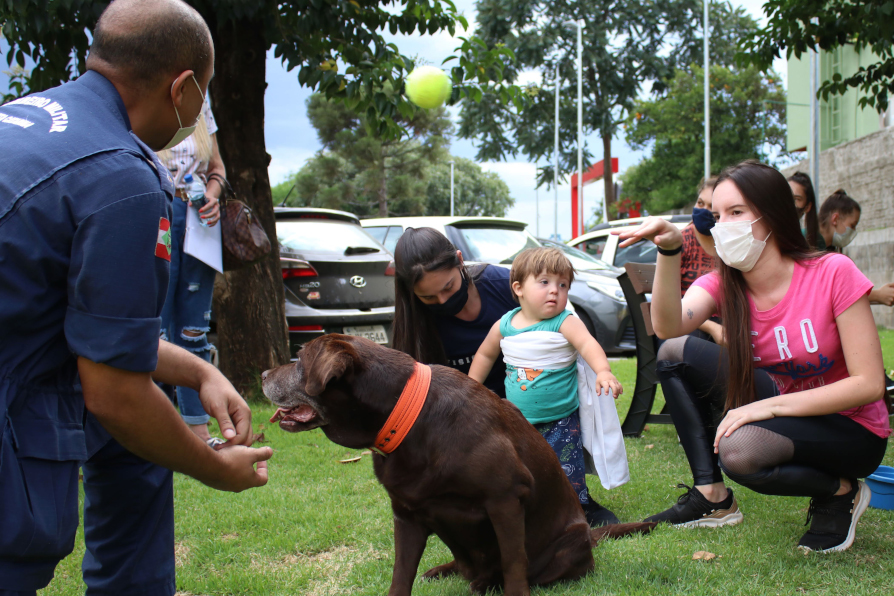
[{"x": 405, "y": 412}]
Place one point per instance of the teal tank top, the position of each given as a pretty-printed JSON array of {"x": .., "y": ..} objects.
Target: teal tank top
[{"x": 542, "y": 395}]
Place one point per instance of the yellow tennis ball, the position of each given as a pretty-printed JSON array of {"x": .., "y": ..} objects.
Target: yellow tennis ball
[{"x": 428, "y": 87}]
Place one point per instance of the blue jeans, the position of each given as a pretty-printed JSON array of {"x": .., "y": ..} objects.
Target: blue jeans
[
  {"x": 564, "y": 437},
  {"x": 188, "y": 308}
]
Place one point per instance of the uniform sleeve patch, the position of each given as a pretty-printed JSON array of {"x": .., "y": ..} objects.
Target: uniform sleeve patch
[{"x": 163, "y": 246}]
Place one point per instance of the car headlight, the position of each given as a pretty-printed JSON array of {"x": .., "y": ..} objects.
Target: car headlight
[{"x": 608, "y": 287}]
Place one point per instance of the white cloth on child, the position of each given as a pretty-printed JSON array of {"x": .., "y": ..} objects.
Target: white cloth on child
[{"x": 604, "y": 451}]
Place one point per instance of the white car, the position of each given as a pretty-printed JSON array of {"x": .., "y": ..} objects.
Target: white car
[
  {"x": 602, "y": 244},
  {"x": 595, "y": 294}
]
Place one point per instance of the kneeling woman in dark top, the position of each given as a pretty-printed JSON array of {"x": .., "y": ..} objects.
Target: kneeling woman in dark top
[{"x": 444, "y": 309}]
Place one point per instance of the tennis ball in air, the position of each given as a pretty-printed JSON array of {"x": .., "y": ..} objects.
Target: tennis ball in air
[{"x": 428, "y": 87}]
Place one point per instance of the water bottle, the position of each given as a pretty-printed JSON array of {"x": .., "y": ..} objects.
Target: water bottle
[{"x": 195, "y": 193}]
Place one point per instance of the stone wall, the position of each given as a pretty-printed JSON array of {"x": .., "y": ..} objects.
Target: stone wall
[{"x": 864, "y": 168}]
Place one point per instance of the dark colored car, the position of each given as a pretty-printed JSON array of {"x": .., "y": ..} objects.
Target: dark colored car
[{"x": 337, "y": 278}]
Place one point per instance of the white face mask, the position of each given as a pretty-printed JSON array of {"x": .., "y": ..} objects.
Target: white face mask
[
  {"x": 184, "y": 131},
  {"x": 842, "y": 240},
  {"x": 736, "y": 246}
]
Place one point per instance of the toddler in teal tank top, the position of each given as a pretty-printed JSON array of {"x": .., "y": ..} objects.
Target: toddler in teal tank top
[
  {"x": 540, "y": 342},
  {"x": 544, "y": 390}
]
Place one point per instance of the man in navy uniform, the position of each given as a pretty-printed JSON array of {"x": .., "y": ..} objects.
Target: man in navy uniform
[{"x": 84, "y": 260}]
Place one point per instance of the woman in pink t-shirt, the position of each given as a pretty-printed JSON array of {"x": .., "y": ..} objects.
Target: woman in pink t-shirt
[{"x": 802, "y": 317}]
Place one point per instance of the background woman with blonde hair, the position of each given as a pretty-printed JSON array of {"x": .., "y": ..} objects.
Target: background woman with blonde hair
[{"x": 187, "y": 310}]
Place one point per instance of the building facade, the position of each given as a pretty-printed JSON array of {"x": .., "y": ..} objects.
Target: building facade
[{"x": 856, "y": 154}]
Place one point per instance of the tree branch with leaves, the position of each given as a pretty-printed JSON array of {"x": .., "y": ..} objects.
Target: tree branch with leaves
[{"x": 797, "y": 26}]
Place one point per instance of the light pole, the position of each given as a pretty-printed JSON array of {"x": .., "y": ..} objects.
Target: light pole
[
  {"x": 451, "y": 187},
  {"x": 580, "y": 124},
  {"x": 556, "y": 177},
  {"x": 707, "y": 107},
  {"x": 815, "y": 131},
  {"x": 536, "y": 205}
]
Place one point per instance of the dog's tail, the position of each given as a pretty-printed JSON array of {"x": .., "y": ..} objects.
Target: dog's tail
[{"x": 597, "y": 535}]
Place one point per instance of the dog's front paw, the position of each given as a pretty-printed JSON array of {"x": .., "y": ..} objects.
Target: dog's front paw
[{"x": 440, "y": 571}]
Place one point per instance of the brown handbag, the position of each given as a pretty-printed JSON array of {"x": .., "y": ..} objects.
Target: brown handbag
[{"x": 242, "y": 237}]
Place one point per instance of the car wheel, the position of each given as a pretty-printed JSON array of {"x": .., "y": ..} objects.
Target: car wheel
[{"x": 588, "y": 323}]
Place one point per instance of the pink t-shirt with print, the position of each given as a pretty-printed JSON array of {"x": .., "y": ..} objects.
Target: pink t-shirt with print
[{"x": 797, "y": 343}]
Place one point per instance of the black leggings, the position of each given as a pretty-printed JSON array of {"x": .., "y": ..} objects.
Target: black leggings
[{"x": 803, "y": 456}]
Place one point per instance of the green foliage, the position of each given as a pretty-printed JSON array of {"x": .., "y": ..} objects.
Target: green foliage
[
  {"x": 747, "y": 121},
  {"x": 365, "y": 173},
  {"x": 476, "y": 192},
  {"x": 796, "y": 26},
  {"x": 18, "y": 79},
  {"x": 284, "y": 191},
  {"x": 338, "y": 48},
  {"x": 622, "y": 42},
  {"x": 371, "y": 176},
  {"x": 728, "y": 24},
  {"x": 53, "y": 35}
]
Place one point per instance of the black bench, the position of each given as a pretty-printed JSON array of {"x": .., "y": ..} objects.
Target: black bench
[{"x": 636, "y": 282}]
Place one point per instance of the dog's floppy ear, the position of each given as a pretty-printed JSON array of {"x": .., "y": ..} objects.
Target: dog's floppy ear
[{"x": 332, "y": 360}]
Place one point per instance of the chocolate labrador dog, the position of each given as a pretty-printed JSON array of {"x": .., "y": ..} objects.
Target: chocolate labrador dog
[{"x": 471, "y": 469}]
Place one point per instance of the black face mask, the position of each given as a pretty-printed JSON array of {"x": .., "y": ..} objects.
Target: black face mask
[
  {"x": 455, "y": 303},
  {"x": 703, "y": 220}
]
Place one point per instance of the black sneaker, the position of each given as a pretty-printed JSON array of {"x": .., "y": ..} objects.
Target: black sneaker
[
  {"x": 833, "y": 520},
  {"x": 692, "y": 510},
  {"x": 597, "y": 515}
]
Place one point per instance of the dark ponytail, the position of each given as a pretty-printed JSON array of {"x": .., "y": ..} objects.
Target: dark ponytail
[
  {"x": 838, "y": 202},
  {"x": 419, "y": 251}
]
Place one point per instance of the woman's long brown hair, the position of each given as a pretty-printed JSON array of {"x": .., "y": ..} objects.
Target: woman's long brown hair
[
  {"x": 811, "y": 218},
  {"x": 768, "y": 193},
  {"x": 419, "y": 251}
]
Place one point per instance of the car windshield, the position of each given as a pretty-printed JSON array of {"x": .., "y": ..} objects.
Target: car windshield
[
  {"x": 495, "y": 245},
  {"x": 576, "y": 256},
  {"x": 641, "y": 252},
  {"x": 323, "y": 236}
]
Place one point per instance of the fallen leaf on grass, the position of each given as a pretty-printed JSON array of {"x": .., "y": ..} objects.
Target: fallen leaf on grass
[
  {"x": 351, "y": 460},
  {"x": 649, "y": 446},
  {"x": 703, "y": 555},
  {"x": 259, "y": 438}
]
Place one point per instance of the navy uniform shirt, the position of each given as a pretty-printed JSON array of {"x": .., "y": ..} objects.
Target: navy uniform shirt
[
  {"x": 84, "y": 262},
  {"x": 462, "y": 339}
]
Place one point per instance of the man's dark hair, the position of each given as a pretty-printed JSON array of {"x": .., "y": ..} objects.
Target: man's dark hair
[{"x": 148, "y": 40}]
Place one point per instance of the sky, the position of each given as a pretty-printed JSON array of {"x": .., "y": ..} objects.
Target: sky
[{"x": 291, "y": 140}]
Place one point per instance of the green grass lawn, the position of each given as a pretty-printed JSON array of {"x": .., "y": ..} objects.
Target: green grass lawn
[{"x": 324, "y": 528}]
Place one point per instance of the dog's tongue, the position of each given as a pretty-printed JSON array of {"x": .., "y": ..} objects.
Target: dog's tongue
[{"x": 302, "y": 413}]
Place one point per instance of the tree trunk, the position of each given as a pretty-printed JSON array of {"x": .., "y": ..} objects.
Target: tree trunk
[
  {"x": 608, "y": 175},
  {"x": 250, "y": 302}
]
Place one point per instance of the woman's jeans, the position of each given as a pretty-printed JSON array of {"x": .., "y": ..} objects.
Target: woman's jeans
[{"x": 188, "y": 309}]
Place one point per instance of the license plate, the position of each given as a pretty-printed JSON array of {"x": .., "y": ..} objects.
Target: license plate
[{"x": 374, "y": 333}]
